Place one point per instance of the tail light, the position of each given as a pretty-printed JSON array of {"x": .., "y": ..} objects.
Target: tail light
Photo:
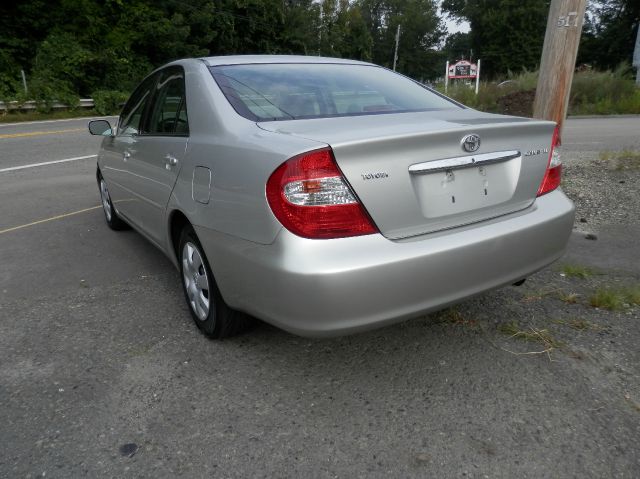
[
  {"x": 311, "y": 198},
  {"x": 553, "y": 175}
]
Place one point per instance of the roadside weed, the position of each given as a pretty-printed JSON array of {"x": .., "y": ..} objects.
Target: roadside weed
[
  {"x": 607, "y": 298},
  {"x": 453, "y": 316},
  {"x": 578, "y": 324},
  {"x": 616, "y": 299},
  {"x": 632, "y": 294},
  {"x": 571, "y": 298},
  {"x": 543, "y": 336},
  {"x": 622, "y": 160},
  {"x": 577, "y": 271}
]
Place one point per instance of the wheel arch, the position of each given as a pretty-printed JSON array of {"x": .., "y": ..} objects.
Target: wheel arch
[{"x": 177, "y": 221}]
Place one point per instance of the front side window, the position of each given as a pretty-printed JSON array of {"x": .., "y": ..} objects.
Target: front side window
[
  {"x": 267, "y": 92},
  {"x": 132, "y": 113},
  {"x": 168, "y": 114}
]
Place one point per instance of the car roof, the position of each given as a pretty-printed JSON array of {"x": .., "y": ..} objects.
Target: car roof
[{"x": 249, "y": 59}]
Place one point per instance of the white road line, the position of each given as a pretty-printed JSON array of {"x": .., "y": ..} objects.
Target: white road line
[
  {"x": 87, "y": 118},
  {"x": 33, "y": 165}
]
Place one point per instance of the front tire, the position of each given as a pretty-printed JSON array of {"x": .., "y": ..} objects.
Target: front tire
[{"x": 209, "y": 311}]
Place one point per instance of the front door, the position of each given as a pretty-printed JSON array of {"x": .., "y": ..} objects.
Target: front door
[{"x": 160, "y": 151}]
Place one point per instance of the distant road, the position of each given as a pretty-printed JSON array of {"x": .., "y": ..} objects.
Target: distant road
[
  {"x": 37, "y": 142},
  {"x": 600, "y": 134}
]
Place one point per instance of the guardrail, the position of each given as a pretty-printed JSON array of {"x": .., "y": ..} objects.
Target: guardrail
[{"x": 31, "y": 105}]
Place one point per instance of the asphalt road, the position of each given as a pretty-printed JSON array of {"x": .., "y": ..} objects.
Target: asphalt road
[{"x": 103, "y": 374}]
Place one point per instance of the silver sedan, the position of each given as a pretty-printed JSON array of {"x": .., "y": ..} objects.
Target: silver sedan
[{"x": 328, "y": 196}]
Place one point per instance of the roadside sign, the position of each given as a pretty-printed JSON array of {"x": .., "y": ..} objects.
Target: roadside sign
[{"x": 463, "y": 69}]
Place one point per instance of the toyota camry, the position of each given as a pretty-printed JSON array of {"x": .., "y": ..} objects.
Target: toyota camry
[{"x": 328, "y": 196}]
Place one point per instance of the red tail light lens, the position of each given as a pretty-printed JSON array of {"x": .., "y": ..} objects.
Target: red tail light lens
[
  {"x": 311, "y": 198},
  {"x": 553, "y": 175}
]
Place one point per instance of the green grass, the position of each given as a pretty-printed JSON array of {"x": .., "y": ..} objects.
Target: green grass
[
  {"x": 616, "y": 299},
  {"x": 16, "y": 117},
  {"x": 608, "y": 298},
  {"x": 622, "y": 160},
  {"x": 632, "y": 294},
  {"x": 576, "y": 271},
  {"x": 592, "y": 92}
]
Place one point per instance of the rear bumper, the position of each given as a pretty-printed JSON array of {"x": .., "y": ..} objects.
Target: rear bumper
[{"x": 332, "y": 287}]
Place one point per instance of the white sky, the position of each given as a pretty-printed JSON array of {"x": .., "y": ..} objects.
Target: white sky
[{"x": 452, "y": 27}]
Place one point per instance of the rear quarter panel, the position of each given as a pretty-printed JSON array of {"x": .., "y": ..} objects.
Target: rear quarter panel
[{"x": 241, "y": 158}]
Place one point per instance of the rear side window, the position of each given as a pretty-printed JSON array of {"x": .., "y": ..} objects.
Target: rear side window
[
  {"x": 130, "y": 122},
  {"x": 267, "y": 92},
  {"x": 168, "y": 115}
]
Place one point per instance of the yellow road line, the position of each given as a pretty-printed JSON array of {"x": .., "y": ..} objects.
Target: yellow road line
[
  {"x": 50, "y": 219},
  {"x": 39, "y": 133}
]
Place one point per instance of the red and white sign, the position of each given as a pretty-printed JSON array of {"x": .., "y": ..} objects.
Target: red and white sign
[{"x": 462, "y": 69}]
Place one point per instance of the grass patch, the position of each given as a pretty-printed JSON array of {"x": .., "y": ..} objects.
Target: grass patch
[
  {"x": 622, "y": 160},
  {"x": 592, "y": 93},
  {"x": 453, "y": 316},
  {"x": 577, "y": 271},
  {"x": 543, "y": 336},
  {"x": 608, "y": 298},
  {"x": 571, "y": 298},
  {"x": 578, "y": 324},
  {"x": 632, "y": 294},
  {"x": 616, "y": 299}
]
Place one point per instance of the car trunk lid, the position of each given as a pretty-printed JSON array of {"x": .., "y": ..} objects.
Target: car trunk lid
[{"x": 413, "y": 175}]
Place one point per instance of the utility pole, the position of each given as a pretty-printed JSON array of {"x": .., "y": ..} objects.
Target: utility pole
[
  {"x": 636, "y": 58},
  {"x": 395, "y": 53},
  {"x": 558, "y": 62}
]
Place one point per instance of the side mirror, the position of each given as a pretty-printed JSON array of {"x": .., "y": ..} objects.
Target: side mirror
[{"x": 100, "y": 127}]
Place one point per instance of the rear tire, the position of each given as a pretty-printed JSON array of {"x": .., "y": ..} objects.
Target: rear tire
[
  {"x": 209, "y": 311},
  {"x": 111, "y": 217}
]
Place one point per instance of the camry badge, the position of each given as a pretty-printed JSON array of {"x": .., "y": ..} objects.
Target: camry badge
[{"x": 470, "y": 143}]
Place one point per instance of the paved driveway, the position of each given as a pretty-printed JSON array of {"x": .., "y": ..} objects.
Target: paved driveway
[{"x": 103, "y": 374}]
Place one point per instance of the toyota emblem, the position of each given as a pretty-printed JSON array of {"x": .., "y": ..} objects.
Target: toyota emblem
[{"x": 471, "y": 143}]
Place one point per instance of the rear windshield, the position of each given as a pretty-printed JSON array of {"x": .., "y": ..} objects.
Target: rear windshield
[{"x": 267, "y": 92}]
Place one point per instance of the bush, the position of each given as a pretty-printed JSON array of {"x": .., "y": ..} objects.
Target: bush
[
  {"x": 592, "y": 93},
  {"x": 108, "y": 102}
]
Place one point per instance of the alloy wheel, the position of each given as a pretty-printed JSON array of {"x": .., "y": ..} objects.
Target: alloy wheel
[{"x": 196, "y": 281}]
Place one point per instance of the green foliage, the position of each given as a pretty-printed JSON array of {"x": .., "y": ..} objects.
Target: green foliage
[
  {"x": 505, "y": 34},
  {"x": 577, "y": 271},
  {"x": 608, "y": 298},
  {"x": 108, "y": 102},
  {"x": 82, "y": 46},
  {"x": 596, "y": 92},
  {"x": 599, "y": 93},
  {"x": 609, "y": 33}
]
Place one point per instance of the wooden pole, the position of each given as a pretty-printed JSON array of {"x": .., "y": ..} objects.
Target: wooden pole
[
  {"x": 558, "y": 62},
  {"x": 446, "y": 77},
  {"x": 395, "y": 52}
]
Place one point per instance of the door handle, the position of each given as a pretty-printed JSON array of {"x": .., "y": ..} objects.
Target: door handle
[
  {"x": 126, "y": 155},
  {"x": 171, "y": 161}
]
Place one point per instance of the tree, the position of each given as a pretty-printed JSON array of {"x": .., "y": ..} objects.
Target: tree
[
  {"x": 421, "y": 32},
  {"x": 505, "y": 34},
  {"x": 609, "y": 34}
]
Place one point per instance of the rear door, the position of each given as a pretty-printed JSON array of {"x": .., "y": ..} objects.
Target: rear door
[{"x": 161, "y": 151}]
